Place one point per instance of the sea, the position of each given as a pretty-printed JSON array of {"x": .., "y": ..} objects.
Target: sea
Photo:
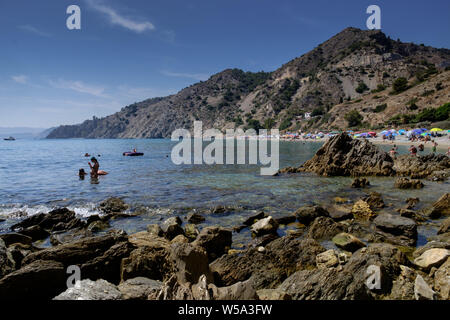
[{"x": 37, "y": 176}]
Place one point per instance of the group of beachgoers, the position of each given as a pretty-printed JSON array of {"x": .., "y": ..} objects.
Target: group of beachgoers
[
  {"x": 413, "y": 150},
  {"x": 95, "y": 169}
]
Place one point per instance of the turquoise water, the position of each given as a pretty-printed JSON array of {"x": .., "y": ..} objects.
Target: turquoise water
[{"x": 38, "y": 175}]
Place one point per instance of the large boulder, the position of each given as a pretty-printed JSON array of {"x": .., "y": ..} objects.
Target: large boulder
[
  {"x": 420, "y": 166},
  {"x": 91, "y": 290},
  {"x": 55, "y": 220},
  {"x": 216, "y": 241},
  {"x": 442, "y": 280},
  {"x": 308, "y": 214},
  {"x": 13, "y": 237},
  {"x": 324, "y": 228},
  {"x": 405, "y": 183},
  {"x": 139, "y": 288},
  {"x": 396, "y": 225},
  {"x": 432, "y": 258},
  {"x": 269, "y": 268},
  {"x": 39, "y": 280},
  {"x": 347, "y": 242},
  {"x": 445, "y": 226},
  {"x": 113, "y": 205},
  {"x": 171, "y": 227},
  {"x": 441, "y": 207},
  {"x": 351, "y": 282},
  {"x": 422, "y": 290},
  {"x": 7, "y": 263},
  {"x": 344, "y": 156},
  {"x": 190, "y": 262}
]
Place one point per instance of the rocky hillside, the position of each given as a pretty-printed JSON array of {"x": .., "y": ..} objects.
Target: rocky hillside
[{"x": 354, "y": 70}]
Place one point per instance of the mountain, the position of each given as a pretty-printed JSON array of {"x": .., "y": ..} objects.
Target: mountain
[
  {"x": 353, "y": 71},
  {"x": 24, "y": 132}
]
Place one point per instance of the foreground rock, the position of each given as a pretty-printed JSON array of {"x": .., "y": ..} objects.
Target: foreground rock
[
  {"x": 441, "y": 207},
  {"x": 422, "y": 291},
  {"x": 113, "y": 206},
  {"x": 264, "y": 226},
  {"x": 348, "y": 242},
  {"x": 360, "y": 183},
  {"x": 397, "y": 225},
  {"x": 216, "y": 241},
  {"x": 308, "y": 214},
  {"x": 420, "y": 166},
  {"x": 91, "y": 290},
  {"x": 432, "y": 258},
  {"x": 7, "y": 263},
  {"x": 344, "y": 156},
  {"x": 139, "y": 288}
]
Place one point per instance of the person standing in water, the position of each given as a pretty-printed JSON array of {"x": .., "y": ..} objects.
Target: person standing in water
[
  {"x": 434, "y": 146},
  {"x": 94, "y": 167}
]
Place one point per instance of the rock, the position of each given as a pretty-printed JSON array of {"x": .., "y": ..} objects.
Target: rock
[
  {"x": 180, "y": 239},
  {"x": 445, "y": 226},
  {"x": 360, "y": 183},
  {"x": 441, "y": 207},
  {"x": 10, "y": 238},
  {"x": 171, "y": 227},
  {"x": 340, "y": 212},
  {"x": 239, "y": 291},
  {"x": 113, "y": 205},
  {"x": 396, "y": 225},
  {"x": 344, "y": 156},
  {"x": 411, "y": 214},
  {"x": 361, "y": 210},
  {"x": 308, "y": 214},
  {"x": 155, "y": 229},
  {"x": 422, "y": 291},
  {"x": 195, "y": 218},
  {"x": 216, "y": 241},
  {"x": 272, "y": 294},
  {"x": 412, "y": 202},
  {"x": 97, "y": 226},
  {"x": 263, "y": 240},
  {"x": 350, "y": 282},
  {"x": 91, "y": 290},
  {"x": 420, "y": 166},
  {"x": 285, "y": 220},
  {"x": 150, "y": 259},
  {"x": 282, "y": 257},
  {"x": 347, "y": 242},
  {"x": 403, "y": 286},
  {"x": 39, "y": 280},
  {"x": 7, "y": 263},
  {"x": 139, "y": 288},
  {"x": 431, "y": 245},
  {"x": 56, "y": 220},
  {"x": 264, "y": 226},
  {"x": 432, "y": 258},
  {"x": 374, "y": 200},
  {"x": 190, "y": 262},
  {"x": 191, "y": 231},
  {"x": 405, "y": 183},
  {"x": 35, "y": 233},
  {"x": 252, "y": 219},
  {"x": 327, "y": 259},
  {"x": 324, "y": 228},
  {"x": 442, "y": 280},
  {"x": 72, "y": 235}
]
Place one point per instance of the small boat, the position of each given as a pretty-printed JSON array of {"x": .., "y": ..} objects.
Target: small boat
[
  {"x": 9, "y": 139},
  {"x": 133, "y": 154}
]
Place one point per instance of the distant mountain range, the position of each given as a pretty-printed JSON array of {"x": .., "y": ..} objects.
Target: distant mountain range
[
  {"x": 24, "y": 132},
  {"x": 355, "y": 79}
]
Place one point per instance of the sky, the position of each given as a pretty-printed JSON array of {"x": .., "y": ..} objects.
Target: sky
[{"x": 128, "y": 51}]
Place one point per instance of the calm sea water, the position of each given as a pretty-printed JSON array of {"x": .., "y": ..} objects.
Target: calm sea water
[{"x": 38, "y": 175}]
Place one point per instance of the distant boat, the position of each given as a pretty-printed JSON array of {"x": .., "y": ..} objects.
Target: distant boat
[{"x": 9, "y": 139}]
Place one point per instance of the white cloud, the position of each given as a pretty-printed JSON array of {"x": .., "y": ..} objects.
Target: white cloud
[
  {"x": 195, "y": 76},
  {"x": 118, "y": 19},
  {"x": 79, "y": 86},
  {"x": 22, "y": 79},
  {"x": 34, "y": 30}
]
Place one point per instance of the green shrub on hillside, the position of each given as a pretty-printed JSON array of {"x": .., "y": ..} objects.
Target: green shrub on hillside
[
  {"x": 353, "y": 118},
  {"x": 400, "y": 85}
]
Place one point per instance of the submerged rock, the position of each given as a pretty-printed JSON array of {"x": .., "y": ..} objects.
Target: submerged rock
[
  {"x": 56, "y": 220},
  {"x": 396, "y": 225},
  {"x": 91, "y": 290},
  {"x": 113, "y": 205},
  {"x": 360, "y": 183},
  {"x": 405, "y": 183},
  {"x": 308, "y": 214}
]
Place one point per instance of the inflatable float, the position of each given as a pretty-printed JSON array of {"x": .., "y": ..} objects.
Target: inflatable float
[{"x": 133, "y": 154}]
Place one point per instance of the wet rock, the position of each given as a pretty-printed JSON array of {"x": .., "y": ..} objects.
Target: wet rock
[
  {"x": 139, "y": 288},
  {"x": 396, "y": 225},
  {"x": 97, "y": 226},
  {"x": 155, "y": 229},
  {"x": 263, "y": 240},
  {"x": 35, "y": 233},
  {"x": 195, "y": 218},
  {"x": 272, "y": 294},
  {"x": 361, "y": 210},
  {"x": 10, "y": 238},
  {"x": 7, "y": 263},
  {"x": 327, "y": 259},
  {"x": 344, "y": 156},
  {"x": 340, "y": 212},
  {"x": 324, "y": 228},
  {"x": 253, "y": 218},
  {"x": 308, "y": 214},
  {"x": 172, "y": 227},
  {"x": 350, "y": 282},
  {"x": 412, "y": 202},
  {"x": 216, "y": 241},
  {"x": 374, "y": 200},
  {"x": 91, "y": 290},
  {"x": 403, "y": 286},
  {"x": 56, "y": 220},
  {"x": 191, "y": 231},
  {"x": 432, "y": 258},
  {"x": 445, "y": 226},
  {"x": 282, "y": 257},
  {"x": 190, "y": 262},
  {"x": 347, "y": 242},
  {"x": 441, "y": 207},
  {"x": 442, "y": 280},
  {"x": 285, "y": 220},
  {"x": 39, "y": 280},
  {"x": 360, "y": 183},
  {"x": 421, "y": 166},
  {"x": 405, "y": 183},
  {"x": 113, "y": 205},
  {"x": 61, "y": 237},
  {"x": 422, "y": 291},
  {"x": 180, "y": 239},
  {"x": 264, "y": 226}
]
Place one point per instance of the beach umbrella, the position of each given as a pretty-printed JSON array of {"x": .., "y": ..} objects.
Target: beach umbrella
[
  {"x": 402, "y": 131},
  {"x": 436, "y": 129}
]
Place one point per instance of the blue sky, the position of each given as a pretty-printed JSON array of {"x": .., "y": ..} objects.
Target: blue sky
[{"x": 127, "y": 51}]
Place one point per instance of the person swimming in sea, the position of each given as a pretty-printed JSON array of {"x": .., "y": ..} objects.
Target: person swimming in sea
[
  {"x": 95, "y": 172},
  {"x": 81, "y": 173}
]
